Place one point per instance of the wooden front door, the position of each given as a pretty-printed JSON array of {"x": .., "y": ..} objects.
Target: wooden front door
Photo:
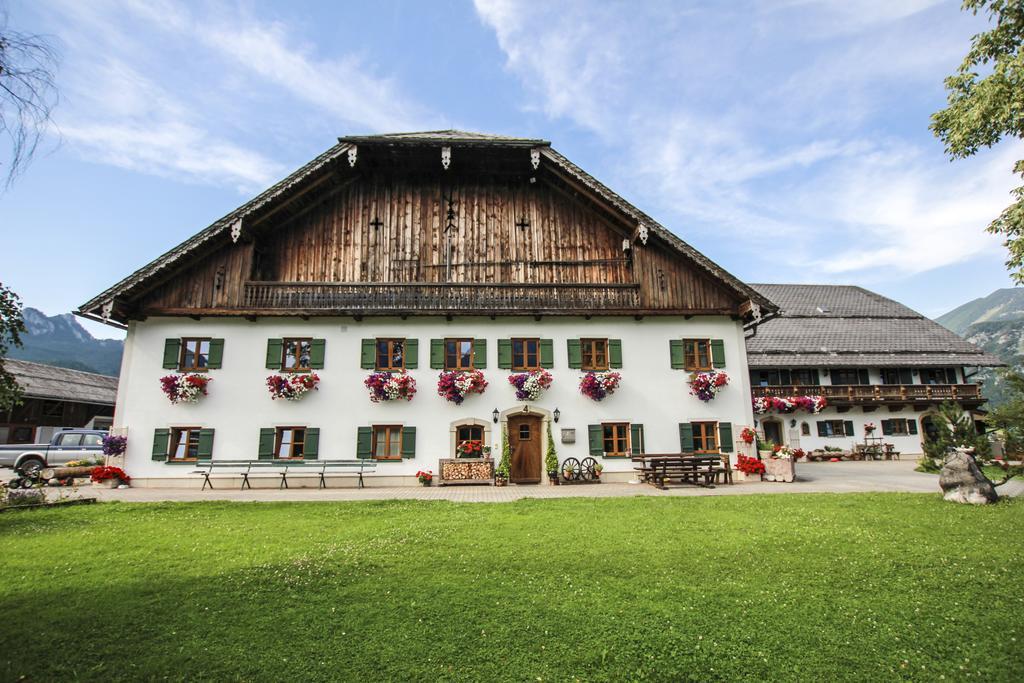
[{"x": 524, "y": 438}]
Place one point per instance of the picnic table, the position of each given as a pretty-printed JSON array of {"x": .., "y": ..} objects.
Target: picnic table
[{"x": 704, "y": 470}]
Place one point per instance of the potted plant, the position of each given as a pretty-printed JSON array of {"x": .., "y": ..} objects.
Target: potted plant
[
  {"x": 598, "y": 469},
  {"x": 765, "y": 448},
  {"x": 425, "y": 478},
  {"x": 567, "y": 473},
  {"x": 748, "y": 435},
  {"x": 504, "y": 469},
  {"x": 110, "y": 477},
  {"x": 487, "y": 452},
  {"x": 780, "y": 466},
  {"x": 869, "y": 428},
  {"x": 551, "y": 459},
  {"x": 748, "y": 467}
]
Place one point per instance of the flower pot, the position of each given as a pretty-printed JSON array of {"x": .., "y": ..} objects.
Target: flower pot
[
  {"x": 765, "y": 454},
  {"x": 428, "y": 482},
  {"x": 500, "y": 482},
  {"x": 780, "y": 469}
]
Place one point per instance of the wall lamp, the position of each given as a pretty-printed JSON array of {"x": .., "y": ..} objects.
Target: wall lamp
[
  {"x": 557, "y": 414},
  {"x": 495, "y": 415}
]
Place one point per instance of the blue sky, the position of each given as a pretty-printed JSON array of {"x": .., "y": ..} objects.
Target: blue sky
[{"x": 786, "y": 140}]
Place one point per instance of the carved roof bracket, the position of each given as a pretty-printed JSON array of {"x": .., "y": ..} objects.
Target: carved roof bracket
[
  {"x": 446, "y": 157},
  {"x": 236, "y": 230},
  {"x": 352, "y": 152},
  {"x": 535, "y": 158}
]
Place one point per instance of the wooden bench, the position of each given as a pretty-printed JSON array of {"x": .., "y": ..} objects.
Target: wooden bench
[
  {"x": 249, "y": 469},
  {"x": 699, "y": 470}
]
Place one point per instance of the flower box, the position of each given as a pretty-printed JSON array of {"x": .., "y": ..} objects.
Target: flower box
[
  {"x": 597, "y": 385},
  {"x": 456, "y": 385},
  {"x": 788, "y": 404},
  {"x": 292, "y": 387},
  {"x": 780, "y": 469},
  {"x": 530, "y": 385},
  {"x": 706, "y": 385},
  {"x": 390, "y": 386},
  {"x": 186, "y": 388}
]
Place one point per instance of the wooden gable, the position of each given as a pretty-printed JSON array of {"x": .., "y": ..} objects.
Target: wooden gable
[{"x": 394, "y": 232}]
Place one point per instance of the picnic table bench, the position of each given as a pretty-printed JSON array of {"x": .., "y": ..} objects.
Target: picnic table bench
[
  {"x": 249, "y": 469},
  {"x": 700, "y": 470}
]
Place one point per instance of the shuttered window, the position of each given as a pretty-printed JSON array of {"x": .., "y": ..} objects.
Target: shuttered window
[
  {"x": 696, "y": 354},
  {"x": 387, "y": 442},
  {"x": 616, "y": 438},
  {"x": 184, "y": 443},
  {"x": 705, "y": 437},
  {"x": 458, "y": 354},
  {"x": 390, "y": 354},
  {"x": 899, "y": 427},
  {"x": 835, "y": 428},
  {"x": 525, "y": 354},
  {"x": 195, "y": 355},
  {"x": 594, "y": 354},
  {"x": 289, "y": 442}
]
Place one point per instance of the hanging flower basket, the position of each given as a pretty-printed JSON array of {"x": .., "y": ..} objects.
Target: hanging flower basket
[
  {"x": 597, "y": 385},
  {"x": 390, "y": 386},
  {"x": 788, "y": 404},
  {"x": 292, "y": 387},
  {"x": 530, "y": 385},
  {"x": 114, "y": 445},
  {"x": 187, "y": 388},
  {"x": 706, "y": 385},
  {"x": 455, "y": 385},
  {"x": 748, "y": 435}
]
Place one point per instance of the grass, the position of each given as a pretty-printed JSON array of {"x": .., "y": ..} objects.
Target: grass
[{"x": 795, "y": 587}]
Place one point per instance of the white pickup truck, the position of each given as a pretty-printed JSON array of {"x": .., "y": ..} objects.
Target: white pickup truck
[{"x": 68, "y": 445}]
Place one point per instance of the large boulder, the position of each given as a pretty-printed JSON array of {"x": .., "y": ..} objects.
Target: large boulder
[{"x": 962, "y": 480}]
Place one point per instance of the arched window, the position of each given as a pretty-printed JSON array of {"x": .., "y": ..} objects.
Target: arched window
[{"x": 470, "y": 438}]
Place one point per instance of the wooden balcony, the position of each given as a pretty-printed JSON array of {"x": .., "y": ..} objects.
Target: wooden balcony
[
  {"x": 479, "y": 299},
  {"x": 879, "y": 393}
]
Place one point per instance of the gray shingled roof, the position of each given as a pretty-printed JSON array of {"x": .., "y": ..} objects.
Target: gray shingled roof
[
  {"x": 464, "y": 137},
  {"x": 845, "y": 326},
  {"x": 48, "y": 381}
]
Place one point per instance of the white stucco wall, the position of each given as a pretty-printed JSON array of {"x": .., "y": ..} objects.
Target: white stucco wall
[
  {"x": 907, "y": 445},
  {"x": 238, "y": 404}
]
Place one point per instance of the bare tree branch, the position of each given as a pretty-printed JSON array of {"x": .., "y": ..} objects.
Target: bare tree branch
[{"x": 27, "y": 94}]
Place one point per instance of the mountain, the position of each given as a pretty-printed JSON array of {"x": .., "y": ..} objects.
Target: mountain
[
  {"x": 996, "y": 324},
  {"x": 60, "y": 340}
]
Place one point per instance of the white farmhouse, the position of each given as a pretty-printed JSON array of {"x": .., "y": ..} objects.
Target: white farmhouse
[
  {"x": 444, "y": 259},
  {"x": 880, "y": 368}
]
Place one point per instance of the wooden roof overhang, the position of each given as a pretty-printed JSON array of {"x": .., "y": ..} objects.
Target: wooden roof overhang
[{"x": 354, "y": 156}]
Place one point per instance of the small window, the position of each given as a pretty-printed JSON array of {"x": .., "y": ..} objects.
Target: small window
[
  {"x": 290, "y": 442},
  {"x": 768, "y": 378},
  {"x": 705, "y": 437},
  {"x": 390, "y": 354},
  {"x": 70, "y": 440},
  {"x": 804, "y": 378},
  {"x": 195, "y": 355},
  {"x": 524, "y": 432},
  {"x": 696, "y": 354},
  {"x": 616, "y": 438},
  {"x": 845, "y": 376},
  {"x": 387, "y": 442},
  {"x": 831, "y": 428},
  {"x": 898, "y": 427},
  {"x": 468, "y": 434},
  {"x": 805, "y": 429},
  {"x": 526, "y": 354},
  {"x": 295, "y": 354},
  {"x": 458, "y": 354},
  {"x": 92, "y": 440},
  {"x": 937, "y": 376},
  {"x": 594, "y": 354},
  {"x": 184, "y": 443}
]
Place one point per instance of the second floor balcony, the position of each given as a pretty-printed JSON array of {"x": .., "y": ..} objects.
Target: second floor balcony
[{"x": 867, "y": 394}]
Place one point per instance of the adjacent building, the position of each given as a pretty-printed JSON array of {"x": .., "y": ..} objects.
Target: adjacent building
[
  {"x": 869, "y": 360},
  {"x": 447, "y": 259},
  {"x": 54, "y": 399}
]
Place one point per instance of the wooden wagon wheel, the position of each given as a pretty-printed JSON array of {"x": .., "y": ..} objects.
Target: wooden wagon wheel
[
  {"x": 571, "y": 469},
  {"x": 589, "y": 473}
]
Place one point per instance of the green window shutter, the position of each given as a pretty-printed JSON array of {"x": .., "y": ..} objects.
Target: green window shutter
[
  {"x": 274, "y": 348},
  {"x": 368, "y": 354},
  {"x": 848, "y": 426},
  {"x": 161, "y": 443},
  {"x": 725, "y": 437},
  {"x": 911, "y": 426},
  {"x": 718, "y": 353},
  {"x": 479, "y": 354},
  {"x": 686, "y": 437},
  {"x": 675, "y": 347},
  {"x": 172, "y": 351},
  {"x": 547, "y": 353},
  {"x": 205, "y": 444},
  {"x": 412, "y": 354},
  {"x": 596, "y": 434},
  {"x": 615, "y": 353},
  {"x": 408, "y": 442},
  {"x": 267, "y": 437},
  {"x": 887, "y": 427},
  {"x": 636, "y": 438},
  {"x": 364, "y": 442},
  {"x": 216, "y": 356},
  {"x": 316, "y": 354},
  {"x": 575, "y": 353},
  {"x": 311, "y": 446},
  {"x": 505, "y": 354},
  {"x": 822, "y": 428},
  {"x": 437, "y": 354}
]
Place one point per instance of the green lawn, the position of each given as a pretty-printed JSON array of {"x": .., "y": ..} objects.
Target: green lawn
[{"x": 795, "y": 587}]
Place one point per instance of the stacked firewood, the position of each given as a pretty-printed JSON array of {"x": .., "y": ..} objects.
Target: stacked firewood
[{"x": 453, "y": 471}]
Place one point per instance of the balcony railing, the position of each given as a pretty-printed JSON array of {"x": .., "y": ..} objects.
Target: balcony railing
[
  {"x": 877, "y": 393},
  {"x": 440, "y": 297}
]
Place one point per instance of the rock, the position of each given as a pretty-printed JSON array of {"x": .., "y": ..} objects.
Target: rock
[{"x": 962, "y": 481}]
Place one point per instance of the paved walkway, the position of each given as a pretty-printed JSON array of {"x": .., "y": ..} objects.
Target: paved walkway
[{"x": 840, "y": 477}]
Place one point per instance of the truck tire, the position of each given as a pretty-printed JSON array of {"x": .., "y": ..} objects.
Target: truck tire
[{"x": 31, "y": 466}]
